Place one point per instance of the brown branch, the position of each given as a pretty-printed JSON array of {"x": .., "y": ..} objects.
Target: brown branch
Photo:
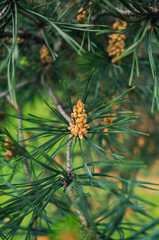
[
  {"x": 70, "y": 192},
  {"x": 22, "y": 140},
  {"x": 80, "y": 215},
  {"x": 19, "y": 112},
  {"x": 103, "y": 13},
  {"x": 68, "y": 157},
  {"x": 56, "y": 101},
  {"x": 23, "y": 145},
  {"x": 21, "y": 34},
  {"x": 127, "y": 13},
  {"x": 4, "y": 10},
  {"x": 35, "y": 226},
  {"x": 68, "y": 154},
  {"x": 154, "y": 10}
]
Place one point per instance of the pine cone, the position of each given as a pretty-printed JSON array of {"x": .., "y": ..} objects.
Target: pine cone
[
  {"x": 78, "y": 126},
  {"x": 117, "y": 40},
  {"x": 44, "y": 54},
  {"x": 10, "y": 152}
]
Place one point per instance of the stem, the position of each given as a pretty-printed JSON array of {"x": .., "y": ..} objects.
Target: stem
[
  {"x": 57, "y": 103},
  {"x": 35, "y": 226},
  {"x": 70, "y": 192},
  {"x": 22, "y": 140},
  {"x": 127, "y": 13},
  {"x": 68, "y": 154},
  {"x": 79, "y": 213},
  {"x": 19, "y": 112},
  {"x": 21, "y": 34},
  {"x": 68, "y": 157},
  {"x": 4, "y": 10}
]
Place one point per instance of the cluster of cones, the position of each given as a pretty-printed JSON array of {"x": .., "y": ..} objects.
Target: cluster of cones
[
  {"x": 78, "y": 125},
  {"x": 107, "y": 121},
  {"x": 81, "y": 17},
  {"x": 117, "y": 40},
  {"x": 45, "y": 55},
  {"x": 11, "y": 149}
]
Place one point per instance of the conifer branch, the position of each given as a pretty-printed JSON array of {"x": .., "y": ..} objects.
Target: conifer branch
[
  {"x": 21, "y": 34},
  {"x": 4, "y": 10},
  {"x": 79, "y": 213},
  {"x": 68, "y": 157},
  {"x": 35, "y": 226},
  {"x": 19, "y": 112},
  {"x": 70, "y": 192},
  {"x": 68, "y": 153},
  {"x": 22, "y": 140},
  {"x": 57, "y": 103},
  {"x": 127, "y": 13}
]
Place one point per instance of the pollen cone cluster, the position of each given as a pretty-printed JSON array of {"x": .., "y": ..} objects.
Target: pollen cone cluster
[
  {"x": 78, "y": 125},
  {"x": 20, "y": 40},
  {"x": 81, "y": 17},
  {"x": 44, "y": 54},
  {"x": 117, "y": 40},
  {"x": 107, "y": 121},
  {"x": 10, "y": 152}
]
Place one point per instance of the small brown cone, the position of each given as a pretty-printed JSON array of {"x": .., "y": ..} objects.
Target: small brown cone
[
  {"x": 44, "y": 238},
  {"x": 116, "y": 41},
  {"x": 81, "y": 17},
  {"x": 78, "y": 125},
  {"x": 107, "y": 121},
  {"x": 10, "y": 152},
  {"x": 45, "y": 55},
  {"x": 128, "y": 212}
]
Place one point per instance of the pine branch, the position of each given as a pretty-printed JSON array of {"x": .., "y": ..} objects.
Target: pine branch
[
  {"x": 22, "y": 140},
  {"x": 19, "y": 112},
  {"x": 21, "y": 34},
  {"x": 79, "y": 213},
  {"x": 56, "y": 101},
  {"x": 68, "y": 157},
  {"x": 70, "y": 192},
  {"x": 127, "y": 13},
  {"x": 4, "y": 10},
  {"x": 35, "y": 226},
  {"x": 68, "y": 153}
]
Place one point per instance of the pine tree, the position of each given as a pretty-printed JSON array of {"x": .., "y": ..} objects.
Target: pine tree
[{"x": 71, "y": 74}]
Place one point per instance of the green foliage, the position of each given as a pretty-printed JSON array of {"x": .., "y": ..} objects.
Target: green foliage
[{"x": 49, "y": 175}]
